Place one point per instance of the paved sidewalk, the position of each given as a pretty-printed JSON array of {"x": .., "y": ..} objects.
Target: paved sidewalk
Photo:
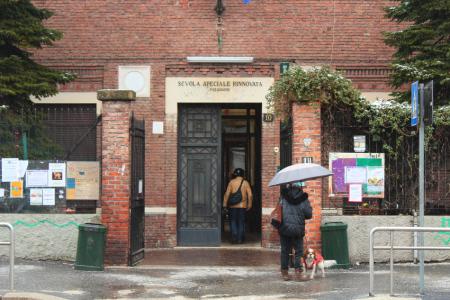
[{"x": 197, "y": 280}]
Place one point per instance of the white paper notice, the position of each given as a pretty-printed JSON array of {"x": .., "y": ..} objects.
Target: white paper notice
[
  {"x": 140, "y": 186},
  {"x": 10, "y": 169},
  {"x": 36, "y": 178},
  {"x": 48, "y": 196},
  {"x": 355, "y": 193},
  {"x": 57, "y": 174},
  {"x": 355, "y": 174},
  {"x": 23, "y": 165},
  {"x": 35, "y": 196},
  {"x": 2, "y": 193}
]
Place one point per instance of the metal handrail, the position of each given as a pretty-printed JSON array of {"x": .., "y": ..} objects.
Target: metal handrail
[
  {"x": 11, "y": 253},
  {"x": 392, "y": 248}
]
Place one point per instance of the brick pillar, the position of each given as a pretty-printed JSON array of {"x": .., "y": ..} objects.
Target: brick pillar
[
  {"x": 116, "y": 175},
  {"x": 306, "y": 125}
]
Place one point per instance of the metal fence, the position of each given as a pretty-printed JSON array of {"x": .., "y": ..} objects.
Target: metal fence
[
  {"x": 286, "y": 143},
  {"x": 401, "y": 170},
  {"x": 11, "y": 244},
  {"x": 73, "y": 128},
  {"x": 393, "y": 247}
]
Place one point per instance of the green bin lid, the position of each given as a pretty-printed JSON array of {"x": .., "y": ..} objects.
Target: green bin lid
[
  {"x": 329, "y": 226},
  {"x": 92, "y": 227}
]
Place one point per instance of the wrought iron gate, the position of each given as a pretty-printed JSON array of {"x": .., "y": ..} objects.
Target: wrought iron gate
[
  {"x": 286, "y": 143},
  {"x": 199, "y": 163},
  {"x": 137, "y": 201}
]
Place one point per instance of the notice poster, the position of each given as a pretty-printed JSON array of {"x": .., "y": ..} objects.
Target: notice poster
[
  {"x": 35, "y": 196},
  {"x": 355, "y": 175},
  {"x": 70, "y": 186},
  {"x": 359, "y": 143},
  {"x": 23, "y": 165},
  {"x": 366, "y": 169},
  {"x": 57, "y": 174},
  {"x": 338, "y": 167},
  {"x": 48, "y": 196},
  {"x": 83, "y": 180},
  {"x": 375, "y": 180},
  {"x": 16, "y": 189},
  {"x": 36, "y": 178},
  {"x": 10, "y": 169},
  {"x": 355, "y": 192},
  {"x": 2, "y": 193}
]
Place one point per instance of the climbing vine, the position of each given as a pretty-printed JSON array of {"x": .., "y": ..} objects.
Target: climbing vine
[{"x": 384, "y": 118}]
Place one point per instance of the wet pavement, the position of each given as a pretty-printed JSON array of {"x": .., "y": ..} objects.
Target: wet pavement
[
  {"x": 219, "y": 274},
  {"x": 230, "y": 256}
]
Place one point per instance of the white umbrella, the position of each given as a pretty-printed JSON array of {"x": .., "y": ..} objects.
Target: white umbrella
[{"x": 299, "y": 172}]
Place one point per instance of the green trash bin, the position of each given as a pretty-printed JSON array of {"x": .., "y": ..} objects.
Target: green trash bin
[
  {"x": 335, "y": 243},
  {"x": 91, "y": 247}
]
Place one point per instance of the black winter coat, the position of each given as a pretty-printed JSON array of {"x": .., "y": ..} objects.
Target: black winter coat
[{"x": 296, "y": 209}]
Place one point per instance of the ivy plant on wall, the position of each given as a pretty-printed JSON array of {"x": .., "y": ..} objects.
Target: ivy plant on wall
[{"x": 384, "y": 118}]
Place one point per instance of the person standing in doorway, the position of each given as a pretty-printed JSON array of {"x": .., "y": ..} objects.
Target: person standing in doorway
[
  {"x": 237, "y": 211},
  {"x": 296, "y": 209}
]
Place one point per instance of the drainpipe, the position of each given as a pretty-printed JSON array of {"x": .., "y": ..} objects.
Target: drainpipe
[{"x": 415, "y": 224}]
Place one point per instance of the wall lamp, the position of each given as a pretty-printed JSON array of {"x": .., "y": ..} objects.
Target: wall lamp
[
  {"x": 220, "y": 59},
  {"x": 220, "y": 8}
]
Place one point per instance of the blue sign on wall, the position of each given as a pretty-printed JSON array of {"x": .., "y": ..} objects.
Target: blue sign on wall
[{"x": 414, "y": 103}]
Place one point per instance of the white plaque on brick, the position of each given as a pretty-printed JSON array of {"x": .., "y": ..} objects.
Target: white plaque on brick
[
  {"x": 158, "y": 127},
  {"x": 135, "y": 78}
]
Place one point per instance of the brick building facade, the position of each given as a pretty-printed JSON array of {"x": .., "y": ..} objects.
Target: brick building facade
[{"x": 145, "y": 45}]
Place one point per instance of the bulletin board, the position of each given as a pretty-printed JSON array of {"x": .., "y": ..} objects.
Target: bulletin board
[
  {"x": 32, "y": 186},
  {"x": 29, "y": 186},
  {"x": 83, "y": 180},
  {"x": 357, "y": 169}
]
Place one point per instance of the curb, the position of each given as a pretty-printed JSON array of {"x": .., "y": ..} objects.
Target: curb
[{"x": 29, "y": 296}]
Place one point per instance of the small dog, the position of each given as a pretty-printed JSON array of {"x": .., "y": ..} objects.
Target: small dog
[{"x": 311, "y": 260}]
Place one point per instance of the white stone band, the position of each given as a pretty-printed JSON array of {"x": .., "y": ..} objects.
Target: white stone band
[{"x": 159, "y": 210}]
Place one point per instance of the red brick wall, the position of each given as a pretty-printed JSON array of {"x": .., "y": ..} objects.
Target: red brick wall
[
  {"x": 270, "y": 161},
  {"x": 160, "y": 231},
  {"x": 306, "y": 124},
  {"x": 101, "y": 35},
  {"x": 326, "y": 31},
  {"x": 115, "y": 195},
  {"x": 98, "y": 36}
]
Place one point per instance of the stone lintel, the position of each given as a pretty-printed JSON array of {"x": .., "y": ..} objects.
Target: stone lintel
[{"x": 116, "y": 95}]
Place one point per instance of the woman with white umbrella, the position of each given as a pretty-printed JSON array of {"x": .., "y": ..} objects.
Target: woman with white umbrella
[{"x": 296, "y": 209}]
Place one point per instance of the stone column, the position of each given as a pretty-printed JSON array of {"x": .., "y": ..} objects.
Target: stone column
[
  {"x": 116, "y": 175},
  {"x": 306, "y": 124}
]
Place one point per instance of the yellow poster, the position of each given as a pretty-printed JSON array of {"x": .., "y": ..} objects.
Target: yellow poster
[
  {"x": 83, "y": 180},
  {"x": 16, "y": 189},
  {"x": 70, "y": 194}
]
